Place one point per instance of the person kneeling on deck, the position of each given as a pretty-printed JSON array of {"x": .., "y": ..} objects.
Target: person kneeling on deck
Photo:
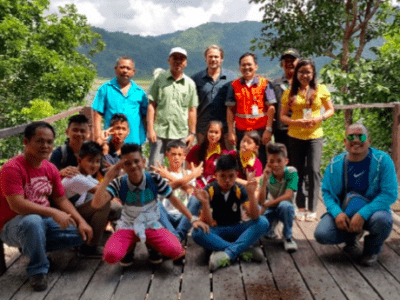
[
  {"x": 221, "y": 208},
  {"x": 138, "y": 191},
  {"x": 35, "y": 214},
  {"x": 358, "y": 188}
]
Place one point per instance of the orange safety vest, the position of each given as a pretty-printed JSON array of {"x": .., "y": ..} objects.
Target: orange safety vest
[{"x": 246, "y": 97}]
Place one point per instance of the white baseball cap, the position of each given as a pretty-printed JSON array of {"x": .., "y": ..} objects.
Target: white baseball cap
[{"x": 178, "y": 50}]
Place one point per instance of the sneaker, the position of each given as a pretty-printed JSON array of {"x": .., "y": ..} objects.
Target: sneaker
[
  {"x": 369, "y": 260},
  {"x": 353, "y": 248},
  {"x": 254, "y": 254},
  {"x": 300, "y": 216},
  {"x": 271, "y": 234},
  {"x": 90, "y": 252},
  {"x": 154, "y": 258},
  {"x": 290, "y": 245},
  {"x": 311, "y": 217},
  {"x": 38, "y": 282},
  {"x": 127, "y": 260},
  {"x": 219, "y": 260}
]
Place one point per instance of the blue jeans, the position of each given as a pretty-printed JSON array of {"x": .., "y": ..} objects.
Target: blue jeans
[
  {"x": 233, "y": 239},
  {"x": 284, "y": 212},
  {"x": 35, "y": 235},
  {"x": 379, "y": 226},
  {"x": 179, "y": 225}
]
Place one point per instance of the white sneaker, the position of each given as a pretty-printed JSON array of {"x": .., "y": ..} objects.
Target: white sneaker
[{"x": 290, "y": 245}]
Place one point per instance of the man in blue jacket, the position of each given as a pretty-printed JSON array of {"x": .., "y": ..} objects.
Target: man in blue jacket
[{"x": 358, "y": 188}]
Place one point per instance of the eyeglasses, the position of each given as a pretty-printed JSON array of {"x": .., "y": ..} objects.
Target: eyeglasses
[{"x": 362, "y": 137}]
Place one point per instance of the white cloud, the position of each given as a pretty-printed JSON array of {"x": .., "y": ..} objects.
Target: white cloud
[{"x": 88, "y": 9}]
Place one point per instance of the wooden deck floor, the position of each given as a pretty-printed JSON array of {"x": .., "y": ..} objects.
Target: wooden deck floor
[{"x": 313, "y": 272}]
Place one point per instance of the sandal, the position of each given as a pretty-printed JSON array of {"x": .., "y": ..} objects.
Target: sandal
[
  {"x": 300, "y": 216},
  {"x": 311, "y": 217}
]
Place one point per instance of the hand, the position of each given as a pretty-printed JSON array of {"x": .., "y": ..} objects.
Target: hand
[
  {"x": 202, "y": 225},
  {"x": 202, "y": 196},
  {"x": 69, "y": 172},
  {"x": 314, "y": 121},
  {"x": 232, "y": 138},
  {"x": 252, "y": 183},
  {"x": 305, "y": 123},
  {"x": 63, "y": 219},
  {"x": 161, "y": 170},
  {"x": 342, "y": 222},
  {"x": 266, "y": 137},
  {"x": 115, "y": 170},
  {"x": 151, "y": 135},
  {"x": 356, "y": 223},
  {"x": 197, "y": 171},
  {"x": 106, "y": 166},
  {"x": 85, "y": 231},
  {"x": 189, "y": 141},
  {"x": 267, "y": 173}
]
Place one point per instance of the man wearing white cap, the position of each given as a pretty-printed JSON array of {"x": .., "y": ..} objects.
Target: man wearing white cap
[{"x": 172, "y": 113}]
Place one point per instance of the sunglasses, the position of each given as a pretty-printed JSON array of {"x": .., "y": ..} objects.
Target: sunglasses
[{"x": 361, "y": 137}]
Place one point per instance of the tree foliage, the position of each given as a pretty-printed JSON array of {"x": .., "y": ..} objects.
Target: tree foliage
[{"x": 39, "y": 58}]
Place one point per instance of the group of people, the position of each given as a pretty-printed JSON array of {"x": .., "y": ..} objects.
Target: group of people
[{"x": 232, "y": 187}]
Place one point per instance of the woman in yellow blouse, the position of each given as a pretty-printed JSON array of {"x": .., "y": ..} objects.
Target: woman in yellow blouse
[{"x": 304, "y": 100}]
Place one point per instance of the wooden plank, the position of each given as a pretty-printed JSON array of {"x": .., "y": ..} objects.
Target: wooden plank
[
  {"x": 74, "y": 280},
  {"x": 258, "y": 281},
  {"x": 135, "y": 279},
  {"x": 196, "y": 283},
  {"x": 288, "y": 280},
  {"x": 372, "y": 105},
  {"x": 339, "y": 266},
  {"x": 14, "y": 278},
  {"x": 59, "y": 262},
  {"x": 104, "y": 282},
  {"x": 166, "y": 281},
  {"x": 227, "y": 283},
  {"x": 316, "y": 276}
]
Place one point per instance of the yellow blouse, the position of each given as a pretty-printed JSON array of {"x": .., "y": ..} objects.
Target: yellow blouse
[{"x": 322, "y": 97}]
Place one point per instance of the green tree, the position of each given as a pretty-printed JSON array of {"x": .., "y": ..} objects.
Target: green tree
[{"x": 39, "y": 58}]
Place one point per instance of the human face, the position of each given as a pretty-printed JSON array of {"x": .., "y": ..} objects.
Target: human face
[
  {"x": 125, "y": 70},
  {"x": 305, "y": 74},
  {"x": 214, "y": 59},
  {"x": 40, "y": 146},
  {"x": 288, "y": 65},
  {"x": 214, "y": 134},
  {"x": 277, "y": 163},
  {"x": 134, "y": 166},
  {"x": 248, "y": 67},
  {"x": 78, "y": 133},
  {"x": 90, "y": 164},
  {"x": 177, "y": 62},
  {"x": 225, "y": 179},
  {"x": 119, "y": 132},
  {"x": 176, "y": 156},
  {"x": 357, "y": 150},
  {"x": 247, "y": 144}
]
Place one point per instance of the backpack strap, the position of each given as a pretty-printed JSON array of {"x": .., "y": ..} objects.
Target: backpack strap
[
  {"x": 152, "y": 184},
  {"x": 64, "y": 156}
]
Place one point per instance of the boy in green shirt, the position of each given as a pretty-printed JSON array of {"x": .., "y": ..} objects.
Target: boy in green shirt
[{"x": 280, "y": 182}]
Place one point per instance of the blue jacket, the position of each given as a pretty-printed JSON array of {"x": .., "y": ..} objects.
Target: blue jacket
[{"x": 382, "y": 190}]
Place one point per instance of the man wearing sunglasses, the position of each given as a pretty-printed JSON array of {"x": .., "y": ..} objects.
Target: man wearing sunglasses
[{"x": 358, "y": 188}]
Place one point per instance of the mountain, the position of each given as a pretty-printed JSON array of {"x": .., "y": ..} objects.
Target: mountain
[{"x": 152, "y": 52}]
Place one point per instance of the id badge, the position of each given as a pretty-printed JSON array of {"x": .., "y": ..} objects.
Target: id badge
[
  {"x": 254, "y": 110},
  {"x": 307, "y": 113}
]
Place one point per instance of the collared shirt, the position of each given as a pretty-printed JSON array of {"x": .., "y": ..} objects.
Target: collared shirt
[
  {"x": 110, "y": 100},
  {"x": 212, "y": 95},
  {"x": 280, "y": 85},
  {"x": 173, "y": 100},
  {"x": 289, "y": 181}
]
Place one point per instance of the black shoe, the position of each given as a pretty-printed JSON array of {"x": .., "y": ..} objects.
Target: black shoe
[
  {"x": 127, "y": 260},
  {"x": 155, "y": 258},
  {"x": 90, "y": 252},
  {"x": 38, "y": 282}
]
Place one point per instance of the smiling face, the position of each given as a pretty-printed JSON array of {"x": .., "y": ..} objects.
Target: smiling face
[
  {"x": 305, "y": 74},
  {"x": 78, "y": 133},
  {"x": 40, "y": 146},
  {"x": 288, "y": 65},
  {"x": 277, "y": 163},
  {"x": 177, "y": 62},
  {"x": 226, "y": 179},
  {"x": 90, "y": 164},
  {"x": 248, "y": 67},
  {"x": 357, "y": 149},
  {"x": 134, "y": 166},
  {"x": 125, "y": 70},
  {"x": 214, "y": 134},
  {"x": 214, "y": 59}
]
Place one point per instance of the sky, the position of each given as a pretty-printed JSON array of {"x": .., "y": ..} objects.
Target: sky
[{"x": 156, "y": 17}]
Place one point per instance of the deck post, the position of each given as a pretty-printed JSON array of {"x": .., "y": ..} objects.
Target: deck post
[{"x": 396, "y": 138}]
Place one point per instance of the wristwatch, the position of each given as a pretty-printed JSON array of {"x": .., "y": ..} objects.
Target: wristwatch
[
  {"x": 192, "y": 133},
  {"x": 268, "y": 129},
  {"x": 193, "y": 219}
]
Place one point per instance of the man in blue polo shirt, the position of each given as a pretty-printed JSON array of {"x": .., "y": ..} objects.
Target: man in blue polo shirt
[
  {"x": 121, "y": 95},
  {"x": 212, "y": 86}
]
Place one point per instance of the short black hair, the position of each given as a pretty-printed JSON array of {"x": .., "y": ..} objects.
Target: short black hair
[
  {"x": 131, "y": 148},
  {"x": 118, "y": 118},
  {"x": 277, "y": 148},
  {"x": 226, "y": 162},
  {"x": 78, "y": 119},
  {"x": 248, "y": 54},
  {"x": 90, "y": 148},
  {"x": 30, "y": 130},
  {"x": 175, "y": 144}
]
